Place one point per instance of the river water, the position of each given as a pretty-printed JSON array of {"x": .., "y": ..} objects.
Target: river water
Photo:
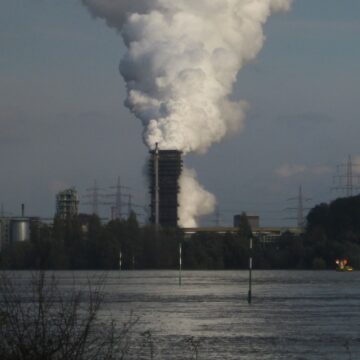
[{"x": 293, "y": 315}]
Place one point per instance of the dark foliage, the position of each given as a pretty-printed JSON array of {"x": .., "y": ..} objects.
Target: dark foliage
[
  {"x": 84, "y": 243},
  {"x": 39, "y": 320},
  {"x": 333, "y": 231}
]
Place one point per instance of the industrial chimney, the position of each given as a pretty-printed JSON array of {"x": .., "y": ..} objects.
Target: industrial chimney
[{"x": 164, "y": 171}]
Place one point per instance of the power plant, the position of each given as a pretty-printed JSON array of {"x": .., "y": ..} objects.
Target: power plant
[{"x": 165, "y": 168}]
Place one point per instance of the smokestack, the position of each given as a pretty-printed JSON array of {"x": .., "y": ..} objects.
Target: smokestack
[
  {"x": 165, "y": 168},
  {"x": 22, "y": 210}
]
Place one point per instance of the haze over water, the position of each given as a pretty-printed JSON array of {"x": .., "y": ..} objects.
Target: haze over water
[{"x": 294, "y": 315}]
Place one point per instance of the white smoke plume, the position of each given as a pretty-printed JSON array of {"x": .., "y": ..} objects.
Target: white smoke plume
[
  {"x": 182, "y": 61},
  {"x": 194, "y": 199}
]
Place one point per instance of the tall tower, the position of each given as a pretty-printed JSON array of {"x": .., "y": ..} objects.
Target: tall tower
[
  {"x": 67, "y": 203},
  {"x": 300, "y": 209},
  {"x": 117, "y": 209},
  {"x": 347, "y": 178},
  {"x": 164, "y": 169}
]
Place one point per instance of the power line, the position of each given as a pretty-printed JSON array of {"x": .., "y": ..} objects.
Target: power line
[
  {"x": 117, "y": 208},
  {"x": 300, "y": 210},
  {"x": 345, "y": 178},
  {"x": 94, "y": 195}
]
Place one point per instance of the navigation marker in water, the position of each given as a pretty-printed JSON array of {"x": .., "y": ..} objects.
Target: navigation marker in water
[
  {"x": 180, "y": 262},
  {"x": 250, "y": 270}
]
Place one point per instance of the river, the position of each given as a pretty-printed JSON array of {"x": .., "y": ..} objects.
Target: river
[{"x": 294, "y": 314}]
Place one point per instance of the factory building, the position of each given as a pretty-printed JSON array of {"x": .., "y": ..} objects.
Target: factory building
[
  {"x": 67, "y": 203},
  {"x": 164, "y": 169},
  {"x": 254, "y": 221}
]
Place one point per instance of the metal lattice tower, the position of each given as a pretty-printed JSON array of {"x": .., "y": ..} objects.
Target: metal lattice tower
[
  {"x": 300, "y": 210},
  {"x": 121, "y": 201},
  {"x": 94, "y": 195},
  {"x": 118, "y": 214},
  {"x": 346, "y": 179}
]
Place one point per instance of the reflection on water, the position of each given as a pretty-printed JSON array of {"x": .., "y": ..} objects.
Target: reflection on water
[{"x": 294, "y": 314}]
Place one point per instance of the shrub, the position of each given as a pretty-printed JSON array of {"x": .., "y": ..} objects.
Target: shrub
[{"x": 39, "y": 320}]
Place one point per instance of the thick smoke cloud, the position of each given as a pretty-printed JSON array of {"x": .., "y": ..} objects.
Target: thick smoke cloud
[
  {"x": 115, "y": 12},
  {"x": 202, "y": 202},
  {"x": 182, "y": 63},
  {"x": 194, "y": 200}
]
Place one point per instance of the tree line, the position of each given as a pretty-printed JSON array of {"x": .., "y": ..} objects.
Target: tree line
[{"x": 332, "y": 231}]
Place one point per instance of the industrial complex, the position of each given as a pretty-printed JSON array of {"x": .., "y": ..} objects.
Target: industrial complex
[{"x": 164, "y": 171}]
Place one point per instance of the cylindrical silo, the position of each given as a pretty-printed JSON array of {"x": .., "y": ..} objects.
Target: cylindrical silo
[{"x": 19, "y": 229}]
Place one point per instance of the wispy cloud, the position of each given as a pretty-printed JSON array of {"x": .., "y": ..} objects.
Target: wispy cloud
[{"x": 291, "y": 170}]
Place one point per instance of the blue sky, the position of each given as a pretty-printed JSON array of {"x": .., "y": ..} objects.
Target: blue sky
[{"x": 63, "y": 122}]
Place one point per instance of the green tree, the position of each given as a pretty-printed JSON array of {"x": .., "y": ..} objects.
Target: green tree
[{"x": 235, "y": 251}]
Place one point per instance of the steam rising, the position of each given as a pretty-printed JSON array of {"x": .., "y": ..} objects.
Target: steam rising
[
  {"x": 181, "y": 64},
  {"x": 202, "y": 202}
]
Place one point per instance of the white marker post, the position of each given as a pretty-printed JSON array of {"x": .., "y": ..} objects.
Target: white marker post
[
  {"x": 156, "y": 168},
  {"x": 180, "y": 262},
  {"x": 250, "y": 270}
]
